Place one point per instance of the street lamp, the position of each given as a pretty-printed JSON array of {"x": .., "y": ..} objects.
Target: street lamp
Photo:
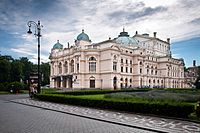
[{"x": 38, "y": 35}]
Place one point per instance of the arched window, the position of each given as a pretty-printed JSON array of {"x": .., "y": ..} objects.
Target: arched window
[
  {"x": 115, "y": 57},
  {"x": 121, "y": 60},
  {"x": 60, "y": 68},
  {"x": 151, "y": 69},
  {"x": 66, "y": 67},
  {"x": 156, "y": 71},
  {"x": 92, "y": 64},
  {"x": 72, "y": 66}
]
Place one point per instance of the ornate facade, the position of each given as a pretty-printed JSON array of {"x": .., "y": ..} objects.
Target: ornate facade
[{"x": 122, "y": 62}]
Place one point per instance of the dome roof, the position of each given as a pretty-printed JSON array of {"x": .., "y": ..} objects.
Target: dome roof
[
  {"x": 83, "y": 36},
  {"x": 57, "y": 45},
  {"x": 124, "y": 39}
]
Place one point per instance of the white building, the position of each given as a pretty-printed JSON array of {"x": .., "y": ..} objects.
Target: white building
[{"x": 122, "y": 62}]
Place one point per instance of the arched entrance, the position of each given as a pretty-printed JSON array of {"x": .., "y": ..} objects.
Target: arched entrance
[
  {"x": 126, "y": 83},
  {"x": 121, "y": 82},
  {"x": 115, "y": 83},
  {"x": 92, "y": 82}
]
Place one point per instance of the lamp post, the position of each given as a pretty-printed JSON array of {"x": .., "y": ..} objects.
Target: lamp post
[{"x": 38, "y": 35}]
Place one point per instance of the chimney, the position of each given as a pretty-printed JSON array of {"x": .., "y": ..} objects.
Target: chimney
[
  {"x": 194, "y": 63},
  {"x": 154, "y": 34},
  {"x": 136, "y": 32},
  {"x": 168, "y": 40}
]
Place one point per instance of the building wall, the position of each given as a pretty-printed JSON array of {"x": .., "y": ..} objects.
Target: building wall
[{"x": 151, "y": 64}]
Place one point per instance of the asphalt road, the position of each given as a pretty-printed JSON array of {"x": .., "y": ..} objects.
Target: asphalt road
[{"x": 18, "y": 118}]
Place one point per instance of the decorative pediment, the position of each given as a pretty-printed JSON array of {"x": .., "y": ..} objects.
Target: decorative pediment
[{"x": 115, "y": 47}]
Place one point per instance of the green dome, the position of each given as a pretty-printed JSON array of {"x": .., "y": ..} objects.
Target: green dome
[
  {"x": 124, "y": 39},
  {"x": 57, "y": 45},
  {"x": 83, "y": 36}
]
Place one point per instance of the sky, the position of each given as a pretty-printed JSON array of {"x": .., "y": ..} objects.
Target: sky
[{"x": 63, "y": 20}]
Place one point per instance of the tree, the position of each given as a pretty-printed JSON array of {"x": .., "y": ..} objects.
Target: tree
[
  {"x": 5, "y": 67},
  {"x": 27, "y": 68},
  {"x": 16, "y": 71},
  {"x": 45, "y": 70}
]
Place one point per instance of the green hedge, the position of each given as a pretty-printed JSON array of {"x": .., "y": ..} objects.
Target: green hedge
[
  {"x": 182, "y": 110},
  {"x": 93, "y": 92}
]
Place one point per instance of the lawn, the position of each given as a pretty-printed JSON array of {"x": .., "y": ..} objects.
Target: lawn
[{"x": 157, "y": 95}]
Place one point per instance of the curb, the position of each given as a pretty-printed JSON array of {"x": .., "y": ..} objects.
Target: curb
[{"x": 92, "y": 118}]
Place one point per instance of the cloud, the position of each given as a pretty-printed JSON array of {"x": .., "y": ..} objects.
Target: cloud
[
  {"x": 195, "y": 21},
  {"x": 64, "y": 19},
  {"x": 130, "y": 16}
]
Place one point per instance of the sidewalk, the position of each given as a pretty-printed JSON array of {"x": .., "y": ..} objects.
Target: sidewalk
[{"x": 126, "y": 119}]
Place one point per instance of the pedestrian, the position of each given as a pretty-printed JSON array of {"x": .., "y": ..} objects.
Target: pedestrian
[{"x": 32, "y": 91}]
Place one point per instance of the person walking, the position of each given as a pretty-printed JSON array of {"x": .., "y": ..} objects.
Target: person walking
[{"x": 32, "y": 91}]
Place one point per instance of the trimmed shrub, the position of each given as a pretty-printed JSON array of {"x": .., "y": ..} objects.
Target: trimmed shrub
[
  {"x": 182, "y": 110},
  {"x": 93, "y": 92},
  {"x": 15, "y": 86}
]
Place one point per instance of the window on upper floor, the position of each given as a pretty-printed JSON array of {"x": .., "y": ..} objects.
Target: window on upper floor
[
  {"x": 122, "y": 69},
  {"x": 60, "y": 68},
  {"x": 115, "y": 57},
  {"x": 126, "y": 61},
  {"x": 92, "y": 64},
  {"x": 77, "y": 67},
  {"x": 66, "y": 67},
  {"x": 156, "y": 72},
  {"x": 72, "y": 65},
  {"x": 114, "y": 66},
  {"x": 131, "y": 70},
  {"x": 126, "y": 69},
  {"x": 121, "y": 60},
  {"x": 140, "y": 70}
]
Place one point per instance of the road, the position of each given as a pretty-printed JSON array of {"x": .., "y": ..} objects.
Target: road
[{"x": 18, "y": 118}]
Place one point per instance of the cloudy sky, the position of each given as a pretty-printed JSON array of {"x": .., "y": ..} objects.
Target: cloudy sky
[{"x": 64, "y": 19}]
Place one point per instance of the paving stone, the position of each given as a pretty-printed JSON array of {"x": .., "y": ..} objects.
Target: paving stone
[
  {"x": 18, "y": 118},
  {"x": 160, "y": 124}
]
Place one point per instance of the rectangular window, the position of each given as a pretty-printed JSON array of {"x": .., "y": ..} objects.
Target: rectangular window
[
  {"x": 140, "y": 70},
  {"x": 131, "y": 70},
  {"x": 126, "y": 69},
  {"x": 131, "y": 62},
  {"x": 121, "y": 60},
  {"x": 126, "y": 61},
  {"x": 77, "y": 65},
  {"x": 114, "y": 66},
  {"x": 92, "y": 66},
  {"x": 121, "y": 69}
]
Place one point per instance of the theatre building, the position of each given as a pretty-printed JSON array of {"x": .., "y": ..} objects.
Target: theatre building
[{"x": 123, "y": 62}]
